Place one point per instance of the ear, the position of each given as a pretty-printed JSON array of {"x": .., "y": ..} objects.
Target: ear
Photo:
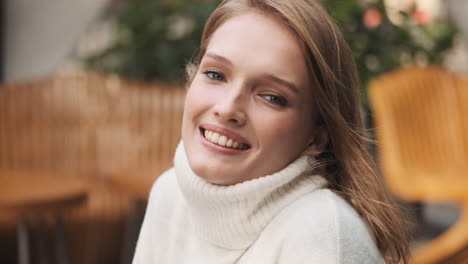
[{"x": 317, "y": 142}]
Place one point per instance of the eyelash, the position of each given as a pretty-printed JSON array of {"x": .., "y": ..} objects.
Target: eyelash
[
  {"x": 272, "y": 98},
  {"x": 276, "y": 99},
  {"x": 210, "y": 74}
]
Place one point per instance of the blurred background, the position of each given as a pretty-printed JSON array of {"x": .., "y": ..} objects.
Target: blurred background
[{"x": 91, "y": 98}]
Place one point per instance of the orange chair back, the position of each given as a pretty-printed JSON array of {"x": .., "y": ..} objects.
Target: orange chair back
[
  {"x": 421, "y": 117},
  {"x": 422, "y": 124}
]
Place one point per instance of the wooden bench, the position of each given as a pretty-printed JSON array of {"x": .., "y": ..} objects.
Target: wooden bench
[{"x": 94, "y": 126}]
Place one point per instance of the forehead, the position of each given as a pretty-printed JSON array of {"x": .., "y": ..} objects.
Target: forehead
[{"x": 261, "y": 41}]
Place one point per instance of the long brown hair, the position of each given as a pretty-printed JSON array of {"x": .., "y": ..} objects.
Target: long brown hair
[{"x": 345, "y": 160}]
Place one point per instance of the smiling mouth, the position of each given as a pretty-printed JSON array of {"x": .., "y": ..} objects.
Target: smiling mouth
[{"x": 222, "y": 140}]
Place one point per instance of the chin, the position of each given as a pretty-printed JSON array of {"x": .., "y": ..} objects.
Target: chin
[{"x": 213, "y": 175}]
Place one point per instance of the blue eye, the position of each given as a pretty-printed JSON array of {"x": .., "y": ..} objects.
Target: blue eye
[
  {"x": 276, "y": 99},
  {"x": 214, "y": 75}
]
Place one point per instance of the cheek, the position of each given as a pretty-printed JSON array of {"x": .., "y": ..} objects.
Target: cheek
[
  {"x": 191, "y": 106},
  {"x": 198, "y": 102},
  {"x": 201, "y": 93},
  {"x": 285, "y": 132},
  {"x": 195, "y": 100},
  {"x": 278, "y": 129}
]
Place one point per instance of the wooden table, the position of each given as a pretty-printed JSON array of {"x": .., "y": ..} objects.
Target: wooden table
[
  {"x": 35, "y": 194},
  {"x": 136, "y": 184}
]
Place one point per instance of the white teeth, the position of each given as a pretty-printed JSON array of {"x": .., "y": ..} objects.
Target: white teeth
[
  {"x": 229, "y": 143},
  {"x": 222, "y": 140},
  {"x": 214, "y": 138}
]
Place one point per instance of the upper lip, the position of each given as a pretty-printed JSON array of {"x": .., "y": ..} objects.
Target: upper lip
[{"x": 225, "y": 132}]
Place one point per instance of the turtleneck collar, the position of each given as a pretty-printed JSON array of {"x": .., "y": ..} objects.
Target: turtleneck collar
[{"x": 234, "y": 216}]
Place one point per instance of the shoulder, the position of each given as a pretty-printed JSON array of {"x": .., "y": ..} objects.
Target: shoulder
[
  {"x": 355, "y": 243},
  {"x": 163, "y": 182},
  {"x": 164, "y": 190},
  {"x": 160, "y": 213},
  {"x": 322, "y": 208},
  {"x": 322, "y": 226},
  {"x": 165, "y": 203}
]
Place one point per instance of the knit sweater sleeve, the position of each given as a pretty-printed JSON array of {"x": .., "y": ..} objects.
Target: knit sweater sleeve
[
  {"x": 159, "y": 201},
  {"x": 323, "y": 228}
]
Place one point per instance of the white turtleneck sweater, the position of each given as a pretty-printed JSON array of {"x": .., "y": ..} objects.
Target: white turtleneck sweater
[{"x": 286, "y": 217}]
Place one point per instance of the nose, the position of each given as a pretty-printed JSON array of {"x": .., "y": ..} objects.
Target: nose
[{"x": 231, "y": 107}]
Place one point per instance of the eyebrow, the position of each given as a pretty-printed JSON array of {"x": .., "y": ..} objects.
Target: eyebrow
[
  {"x": 267, "y": 76},
  {"x": 218, "y": 57},
  {"x": 282, "y": 82}
]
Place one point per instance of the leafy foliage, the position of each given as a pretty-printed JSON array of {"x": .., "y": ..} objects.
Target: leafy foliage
[
  {"x": 156, "y": 38},
  {"x": 380, "y": 46}
]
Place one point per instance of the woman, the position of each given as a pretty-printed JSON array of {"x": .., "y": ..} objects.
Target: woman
[{"x": 273, "y": 166}]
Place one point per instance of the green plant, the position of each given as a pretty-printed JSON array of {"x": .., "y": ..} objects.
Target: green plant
[
  {"x": 156, "y": 38},
  {"x": 380, "y": 46}
]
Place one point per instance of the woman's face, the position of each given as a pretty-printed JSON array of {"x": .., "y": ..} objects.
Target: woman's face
[{"x": 248, "y": 111}]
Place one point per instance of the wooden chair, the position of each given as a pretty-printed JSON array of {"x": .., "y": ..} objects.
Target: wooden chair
[
  {"x": 421, "y": 117},
  {"x": 94, "y": 126}
]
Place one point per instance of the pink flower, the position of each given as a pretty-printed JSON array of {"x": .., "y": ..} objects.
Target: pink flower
[
  {"x": 372, "y": 18},
  {"x": 422, "y": 17}
]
